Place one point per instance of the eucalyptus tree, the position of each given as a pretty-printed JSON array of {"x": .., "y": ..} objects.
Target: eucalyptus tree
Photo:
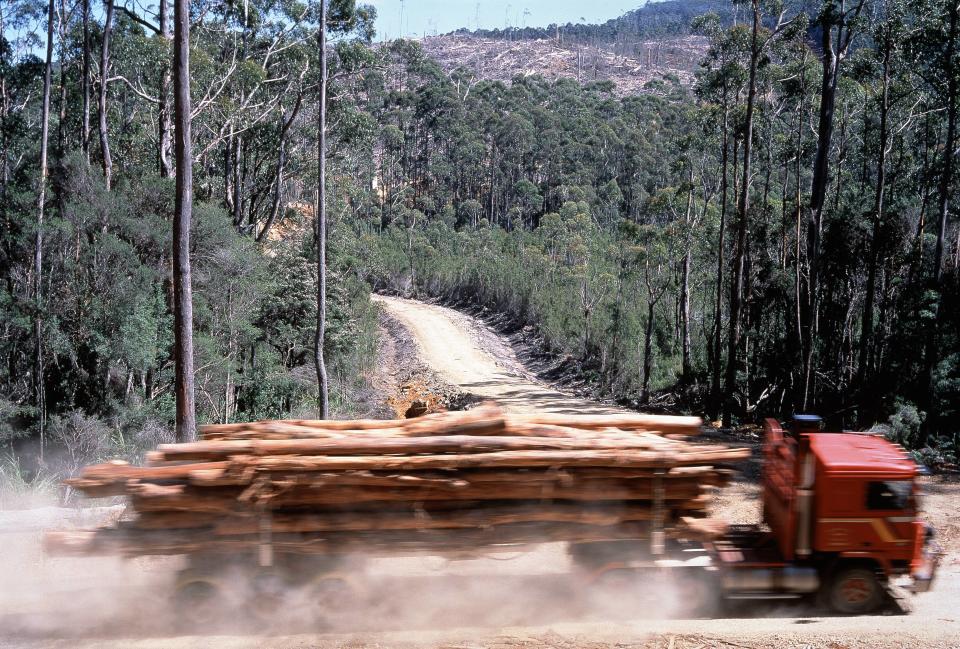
[
  {"x": 838, "y": 23},
  {"x": 38, "y": 367},
  {"x": 182, "y": 280}
]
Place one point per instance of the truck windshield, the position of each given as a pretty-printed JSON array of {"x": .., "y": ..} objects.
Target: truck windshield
[{"x": 889, "y": 494}]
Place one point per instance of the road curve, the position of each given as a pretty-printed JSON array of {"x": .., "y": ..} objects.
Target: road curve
[{"x": 467, "y": 354}]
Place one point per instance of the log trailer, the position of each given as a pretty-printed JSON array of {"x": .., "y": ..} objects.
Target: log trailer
[
  {"x": 841, "y": 511},
  {"x": 841, "y": 522}
]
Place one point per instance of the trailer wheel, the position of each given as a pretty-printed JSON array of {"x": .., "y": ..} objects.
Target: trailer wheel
[
  {"x": 333, "y": 597},
  {"x": 268, "y": 595},
  {"x": 855, "y": 591},
  {"x": 198, "y": 601},
  {"x": 697, "y": 593}
]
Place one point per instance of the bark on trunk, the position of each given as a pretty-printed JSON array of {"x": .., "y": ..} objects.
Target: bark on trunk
[
  {"x": 102, "y": 103},
  {"x": 743, "y": 208},
  {"x": 39, "y": 391},
  {"x": 85, "y": 82},
  {"x": 866, "y": 332},
  {"x": 277, "y": 204},
  {"x": 166, "y": 165},
  {"x": 833, "y": 16},
  {"x": 686, "y": 346},
  {"x": 715, "y": 397},
  {"x": 321, "y": 224},
  {"x": 943, "y": 211},
  {"x": 182, "y": 284},
  {"x": 62, "y": 104}
]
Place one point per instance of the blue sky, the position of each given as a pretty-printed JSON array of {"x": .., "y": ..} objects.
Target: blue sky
[{"x": 442, "y": 16}]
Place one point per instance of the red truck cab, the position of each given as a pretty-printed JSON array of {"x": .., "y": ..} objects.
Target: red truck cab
[
  {"x": 841, "y": 522},
  {"x": 842, "y": 506}
]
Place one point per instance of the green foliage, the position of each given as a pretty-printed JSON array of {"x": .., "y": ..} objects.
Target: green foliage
[{"x": 903, "y": 425}]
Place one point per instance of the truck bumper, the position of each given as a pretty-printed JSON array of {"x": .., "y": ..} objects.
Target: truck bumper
[{"x": 925, "y": 570}]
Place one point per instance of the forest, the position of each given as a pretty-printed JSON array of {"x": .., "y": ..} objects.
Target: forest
[{"x": 778, "y": 236}]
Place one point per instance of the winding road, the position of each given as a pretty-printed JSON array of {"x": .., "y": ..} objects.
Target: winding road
[{"x": 467, "y": 354}]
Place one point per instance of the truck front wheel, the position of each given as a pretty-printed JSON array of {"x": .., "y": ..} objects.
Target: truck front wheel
[{"x": 855, "y": 591}]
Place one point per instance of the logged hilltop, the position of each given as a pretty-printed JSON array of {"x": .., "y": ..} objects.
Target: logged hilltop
[
  {"x": 643, "y": 50},
  {"x": 644, "y": 66}
]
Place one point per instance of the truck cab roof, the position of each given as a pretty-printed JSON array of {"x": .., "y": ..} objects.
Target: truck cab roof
[{"x": 862, "y": 455}]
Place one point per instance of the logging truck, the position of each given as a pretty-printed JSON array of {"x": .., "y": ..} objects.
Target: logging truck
[
  {"x": 285, "y": 504},
  {"x": 840, "y": 523}
]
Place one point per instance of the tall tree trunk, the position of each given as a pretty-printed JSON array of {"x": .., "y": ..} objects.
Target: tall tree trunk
[
  {"x": 102, "y": 102},
  {"x": 831, "y": 16},
  {"x": 715, "y": 397},
  {"x": 182, "y": 284},
  {"x": 62, "y": 100},
  {"x": 4, "y": 112},
  {"x": 321, "y": 222},
  {"x": 277, "y": 204},
  {"x": 39, "y": 390},
  {"x": 743, "y": 209},
  {"x": 818, "y": 192},
  {"x": 166, "y": 167},
  {"x": 866, "y": 332},
  {"x": 943, "y": 211},
  {"x": 85, "y": 82},
  {"x": 687, "y": 354},
  {"x": 647, "y": 351}
]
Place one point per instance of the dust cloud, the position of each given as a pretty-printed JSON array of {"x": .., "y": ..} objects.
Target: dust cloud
[{"x": 45, "y": 598}]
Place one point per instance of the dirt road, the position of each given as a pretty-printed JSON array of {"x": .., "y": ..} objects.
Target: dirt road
[
  {"x": 467, "y": 354},
  {"x": 509, "y": 600}
]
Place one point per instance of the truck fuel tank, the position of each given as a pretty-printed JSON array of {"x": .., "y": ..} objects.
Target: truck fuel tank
[{"x": 789, "y": 579}]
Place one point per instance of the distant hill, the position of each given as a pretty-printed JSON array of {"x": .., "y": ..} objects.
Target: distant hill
[
  {"x": 649, "y": 44},
  {"x": 653, "y": 20},
  {"x": 503, "y": 60}
]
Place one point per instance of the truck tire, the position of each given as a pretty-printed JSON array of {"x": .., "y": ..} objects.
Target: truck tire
[
  {"x": 333, "y": 597},
  {"x": 855, "y": 591},
  {"x": 698, "y": 593},
  {"x": 199, "y": 601}
]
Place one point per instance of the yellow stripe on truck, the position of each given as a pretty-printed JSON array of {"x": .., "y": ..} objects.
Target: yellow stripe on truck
[{"x": 879, "y": 525}]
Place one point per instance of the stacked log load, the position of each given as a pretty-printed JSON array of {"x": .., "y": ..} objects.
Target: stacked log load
[{"x": 444, "y": 481}]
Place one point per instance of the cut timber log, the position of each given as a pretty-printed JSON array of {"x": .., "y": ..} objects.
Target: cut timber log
[
  {"x": 447, "y": 483},
  {"x": 455, "y": 480},
  {"x": 484, "y": 420},
  {"x": 626, "y": 421},
  {"x": 459, "y": 444},
  {"x": 502, "y": 459},
  {"x": 219, "y": 431},
  {"x": 182, "y": 498},
  {"x": 112, "y": 478}
]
